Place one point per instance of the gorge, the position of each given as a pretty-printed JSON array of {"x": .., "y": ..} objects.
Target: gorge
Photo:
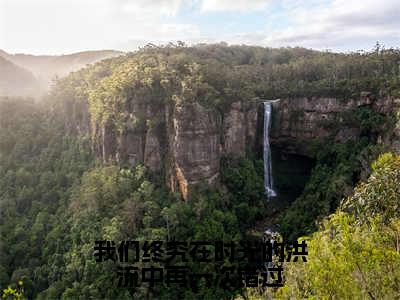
[{"x": 177, "y": 143}]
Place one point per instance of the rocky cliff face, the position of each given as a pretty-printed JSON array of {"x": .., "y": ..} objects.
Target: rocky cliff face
[
  {"x": 198, "y": 137},
  {"x": 240, "y": 129},
  {"x": 194, "y": 143},
  {"x": 188, "y": 140},
  {"x": 298, "y": 122}
]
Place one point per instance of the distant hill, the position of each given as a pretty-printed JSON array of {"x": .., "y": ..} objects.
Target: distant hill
[
  {"x": 48, "y": 67},
  {"x": 16, "y": 81}
]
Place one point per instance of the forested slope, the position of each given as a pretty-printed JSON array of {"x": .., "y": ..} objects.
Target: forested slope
[{"x": 356, "y": 252}]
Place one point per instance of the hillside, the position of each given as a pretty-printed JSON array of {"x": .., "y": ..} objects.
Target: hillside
[
  {"x": 355, "y": 252},
  {"x": 16, "y": 81},
  {"x": 48, "y": 67}
]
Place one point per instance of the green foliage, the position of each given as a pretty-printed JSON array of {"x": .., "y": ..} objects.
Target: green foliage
[
  {"x": 337, "y": 170},
  {"x": 379, "y": 196},
  {"x": 55, "y": 204},
  {"x": 38, "y": 165},
  {"x": 355, "y": 256},
  {"x": 13, "y": 293},
  {"x": 366, "y": 120},
  {"x": 244, "y": 180}
]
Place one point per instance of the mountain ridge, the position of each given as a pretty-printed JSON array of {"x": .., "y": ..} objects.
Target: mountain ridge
[
  {"x": 16, "y": 80},
  {"x": 46, "y": 68}
]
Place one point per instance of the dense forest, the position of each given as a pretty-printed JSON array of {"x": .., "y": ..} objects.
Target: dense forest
[{"x": 57, "y": 196}]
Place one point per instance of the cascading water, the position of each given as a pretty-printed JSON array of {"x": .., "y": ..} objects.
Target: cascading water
[{"x": 268, "y": 182}]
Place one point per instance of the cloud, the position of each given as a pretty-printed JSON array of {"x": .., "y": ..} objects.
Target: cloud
[
  {"x": 62, "y": 26},
  {"x": 148, "y": 7},
  {"x": 340, "y": 25},
  {"x": 233, "y": 5},
  {"x": 48, "y": 26},
  {"x": 163, "y": 34},
  {"x": 172, "y": 7}
]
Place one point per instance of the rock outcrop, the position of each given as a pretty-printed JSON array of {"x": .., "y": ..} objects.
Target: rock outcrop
[
  {"x": 239, "y": 133},
  {"x": 199, "y": 136},
  {"x": 300, "y": 121},
  {"x": 194, "y": 144},
  {"x": 234, "y": 133}
]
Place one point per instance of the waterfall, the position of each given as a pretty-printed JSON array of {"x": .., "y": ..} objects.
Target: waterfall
[{"x": 268, "y": 182}]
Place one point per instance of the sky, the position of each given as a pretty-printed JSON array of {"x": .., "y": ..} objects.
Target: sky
[{"x": 66, "y": 26}]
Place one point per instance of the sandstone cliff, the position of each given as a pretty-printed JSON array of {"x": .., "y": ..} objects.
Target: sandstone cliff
[
  {"x": 298, "y": 122},
  {"x": 187, "y": 140}
]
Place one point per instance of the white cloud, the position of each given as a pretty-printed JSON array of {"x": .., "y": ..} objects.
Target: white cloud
[
  {"x": 233, "y": 5},
  {"x": 46, "y": 26},
  {"x": 49, "y": 26},
  {"x": 148, "y": 7},
  {"x": 62, "y": 26},
  {"x": 341, "y": 25}
]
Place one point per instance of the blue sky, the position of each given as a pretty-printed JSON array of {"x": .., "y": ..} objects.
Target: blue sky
[{"x": 65, "y": 26}]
